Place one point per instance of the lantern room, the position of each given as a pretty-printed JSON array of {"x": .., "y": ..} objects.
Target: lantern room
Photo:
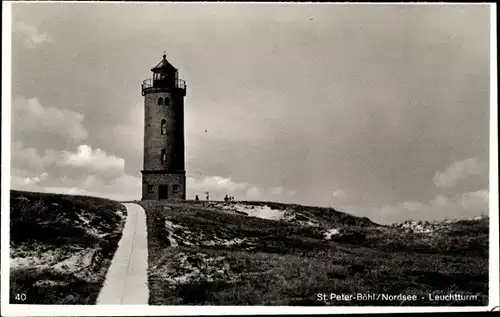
[{"x": 165, "y": 75}]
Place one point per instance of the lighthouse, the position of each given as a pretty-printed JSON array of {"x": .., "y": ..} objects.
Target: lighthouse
[{"x": 163, "y": 174}]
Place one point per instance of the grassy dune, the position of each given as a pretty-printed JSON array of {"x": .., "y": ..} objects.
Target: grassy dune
[
  {"x": 203, "y": 253},
  {"x": 61, "y": 246}
]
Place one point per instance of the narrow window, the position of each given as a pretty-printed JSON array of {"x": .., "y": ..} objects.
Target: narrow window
[
  {"x": 160, "y": 101},
  {"x": 167, "y": 101},
  {"x": 163, "y": 155},
  {"x": 163, "y": 126},
  {"x": 176, "y": 188}
]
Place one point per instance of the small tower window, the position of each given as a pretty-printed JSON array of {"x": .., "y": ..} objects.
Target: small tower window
[
  {"x": 163, "y": 155},
  {"x": 163, "y": 126},
  {"x": 176, "y": 188},
  {"x": 167, "y": 101},
  {"x": 160, "y": 101}
]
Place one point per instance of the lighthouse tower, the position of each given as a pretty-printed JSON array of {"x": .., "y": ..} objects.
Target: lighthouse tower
[{"x": 164, "y": 175}]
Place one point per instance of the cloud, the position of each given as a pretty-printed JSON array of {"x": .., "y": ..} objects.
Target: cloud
[
  {"x": 281, "y": 191},
  {"x": 441, "y": 201},
  {"x": 27, "y": 181},
  {"x": 477, "y": 199},
  {"x": 31, "y": 35},
  {"x": 277, "y": 190},
  {"x": 126, "y": 187},
  {"x": 219, "y": 186},
  {"x": 30, "y": 167},
  {"x": 132, "y": 129},
  {"x": 29, "y": 116},
  {"x": 339, "y": 193},
  {"x": 466, "y": 204},
  {"x": 95, "y": 161},
  {"x": 458, "y": 171},
  {"x": 215, "y": 183},
  {"x": 458, "y": 206},
  {"x": 411, "y": 205},
  {"x": 461, "y": 206},
  {"x": 29, "y": 158},
  {"x": 103, "y": 175},
  {"x": 253, "y": 192}
]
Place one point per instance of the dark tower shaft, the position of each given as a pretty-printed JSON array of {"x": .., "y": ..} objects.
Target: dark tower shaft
[{"x": 164, "y": 175}]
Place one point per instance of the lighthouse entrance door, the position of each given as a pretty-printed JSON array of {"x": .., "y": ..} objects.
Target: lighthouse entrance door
[{"x": 163, "y": 192}]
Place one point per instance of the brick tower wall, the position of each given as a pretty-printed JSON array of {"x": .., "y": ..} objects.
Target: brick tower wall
[{"x": 172, "y": 171}]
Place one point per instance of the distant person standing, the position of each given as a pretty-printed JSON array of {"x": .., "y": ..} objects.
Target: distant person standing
[
  {"x": 208, "y": 196},
  {"x": 226, "y": 199},
  {"x": 196, "y": 198}
]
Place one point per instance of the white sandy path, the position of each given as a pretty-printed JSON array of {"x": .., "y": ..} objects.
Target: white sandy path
[{"x": 127, "y": 278}]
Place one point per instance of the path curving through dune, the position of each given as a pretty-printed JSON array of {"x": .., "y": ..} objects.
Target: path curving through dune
[{"x": 127, "y": 278}]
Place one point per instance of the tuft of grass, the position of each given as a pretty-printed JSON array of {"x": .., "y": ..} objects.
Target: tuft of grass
[{"x": 49, "y": 229}]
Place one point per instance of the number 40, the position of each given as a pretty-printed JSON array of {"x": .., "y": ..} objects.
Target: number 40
[{"x": 21, "y": 297}]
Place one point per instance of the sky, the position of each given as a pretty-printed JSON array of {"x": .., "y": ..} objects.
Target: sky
[{"x": 381, "y": 111}]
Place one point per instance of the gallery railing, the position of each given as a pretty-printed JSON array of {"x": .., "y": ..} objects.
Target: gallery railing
[{"x": 152, "y": 84}]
